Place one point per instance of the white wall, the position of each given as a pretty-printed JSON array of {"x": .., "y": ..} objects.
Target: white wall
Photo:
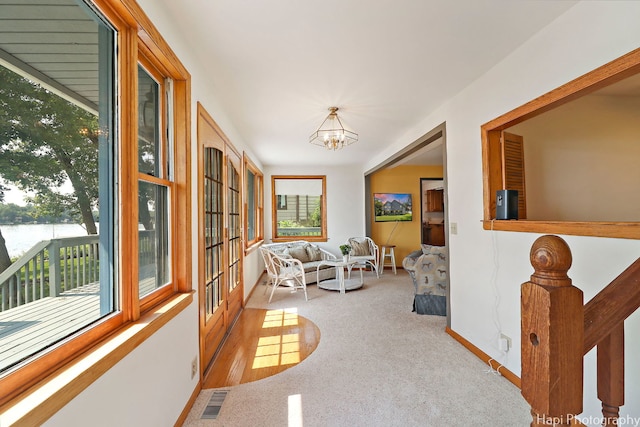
[
  {"x": 149, "y": 387},
  {"x": 487, "y": 267},
  {"x": 345, "y": 201}
]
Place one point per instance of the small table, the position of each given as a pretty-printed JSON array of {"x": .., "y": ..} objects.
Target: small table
[{"x": 339, "y": 283}]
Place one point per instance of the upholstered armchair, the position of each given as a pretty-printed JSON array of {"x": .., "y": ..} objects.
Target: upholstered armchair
[
  {"x": 364, "y": 251},
  {"x": 428, "y": 269}
]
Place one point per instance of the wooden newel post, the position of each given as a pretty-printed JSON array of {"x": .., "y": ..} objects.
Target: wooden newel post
[{"x": 552, "y": 336}]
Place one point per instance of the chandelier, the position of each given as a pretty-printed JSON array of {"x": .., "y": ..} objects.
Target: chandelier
[{"x": 331, "y": 134}]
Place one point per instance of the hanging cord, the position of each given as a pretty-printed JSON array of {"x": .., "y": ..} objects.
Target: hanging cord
[
  {"x": 494, "y": 371},
  {"x": 496, "y": 295}
]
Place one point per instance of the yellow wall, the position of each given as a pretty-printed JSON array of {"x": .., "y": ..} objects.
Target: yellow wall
[{"x": 401, "y": 179}]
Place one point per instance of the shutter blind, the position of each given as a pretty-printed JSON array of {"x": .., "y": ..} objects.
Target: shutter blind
[{"x": 513, "y": 169}]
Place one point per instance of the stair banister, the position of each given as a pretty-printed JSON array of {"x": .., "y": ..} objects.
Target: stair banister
[
  {"x": 557, "y": 330},
  {"x": 552, "y": 336},
  {"x": 604, "y": 317}
]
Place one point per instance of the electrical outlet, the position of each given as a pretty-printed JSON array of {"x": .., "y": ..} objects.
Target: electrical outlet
[
  {"x": 504, "y": 343},
  {"x": 453, "y": 227},
  {"x": 194, "y": 367}
]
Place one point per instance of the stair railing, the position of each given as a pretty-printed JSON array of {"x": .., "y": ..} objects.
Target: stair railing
[{"x": 558, "y": 330}]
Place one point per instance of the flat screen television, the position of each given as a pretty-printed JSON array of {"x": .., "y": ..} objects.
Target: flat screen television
[{"x": 392, "y": 207}]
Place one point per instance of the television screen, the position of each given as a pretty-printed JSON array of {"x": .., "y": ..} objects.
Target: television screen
[{"x": 392, "y": 207}]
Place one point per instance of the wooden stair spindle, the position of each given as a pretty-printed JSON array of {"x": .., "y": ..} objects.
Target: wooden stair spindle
[
  {"x": 552, "y": 336},
  {"x": 610, "y": 356}
]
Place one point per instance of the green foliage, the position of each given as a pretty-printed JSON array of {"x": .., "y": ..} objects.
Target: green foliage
[
  {"x": 377, "y": 207},
  {"x": 45, "y": 142},
  {"x": 287, "y": 223},
  {"x": 404, "y": 217},
  {"x": 315, "y": 219},
  {"x": 345, "y": 249},
  {"x": 13, "y": 214}
]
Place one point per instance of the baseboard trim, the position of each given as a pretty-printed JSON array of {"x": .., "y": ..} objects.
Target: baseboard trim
[
  {"x": 187, "y": 408},
  {"x": 510, "y": 376},
  {"x": 255, "y": 285}
]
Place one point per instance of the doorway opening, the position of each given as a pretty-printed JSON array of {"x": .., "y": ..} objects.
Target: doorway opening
[
  {"x": 426, "y": 150},
  {"x": 432, "y": 211}
]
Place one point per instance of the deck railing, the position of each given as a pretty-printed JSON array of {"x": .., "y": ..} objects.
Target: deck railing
[
  {"x": 558, "y": 330},
  {"x": 50, "y": 268}
]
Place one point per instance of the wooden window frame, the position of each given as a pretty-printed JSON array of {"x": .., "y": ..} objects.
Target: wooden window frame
[
  {"x": 274, "y": 210},
  {"x": 108, "y": 341},
  {"x": 258, "y": 200},
  {"x": 612, "y": 72}
]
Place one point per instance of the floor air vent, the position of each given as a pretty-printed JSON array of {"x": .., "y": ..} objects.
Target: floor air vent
[{"x": 212, "y": 409}]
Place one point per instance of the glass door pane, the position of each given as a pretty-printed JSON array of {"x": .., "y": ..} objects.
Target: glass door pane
[
  {"x": 214, "y": 223},
  {"x": 233, "y": 212}
]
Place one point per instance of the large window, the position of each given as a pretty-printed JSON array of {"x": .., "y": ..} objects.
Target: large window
[
  {"x": 299, "y": 208},
  {"x": 254, "y": 200},
  {"x": 154, "y": 182},
  {"x": 57, "y": 163},
  {"x": 577, "y": 145},
  {"x": 94, "y": 184}
]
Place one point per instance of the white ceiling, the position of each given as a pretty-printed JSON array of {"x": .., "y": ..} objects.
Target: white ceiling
[{"x": 278, "y": 65}]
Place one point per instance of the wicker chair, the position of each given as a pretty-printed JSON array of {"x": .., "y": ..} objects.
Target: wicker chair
[
  {"x": 281, "y": 271},
  {"x": 365, "y": 251}
]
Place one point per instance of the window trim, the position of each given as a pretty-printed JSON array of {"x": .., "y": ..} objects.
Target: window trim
[
  {"x": 153, "y": 69},
  {"x": 612, "y": 72},
  {"x": 323, "y": 206},
  {"x": 136, "y": 36},
  {"x": 258, "y": 195}
]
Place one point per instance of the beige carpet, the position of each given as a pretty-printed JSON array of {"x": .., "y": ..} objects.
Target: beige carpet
[{"x": 377, "y": 364}]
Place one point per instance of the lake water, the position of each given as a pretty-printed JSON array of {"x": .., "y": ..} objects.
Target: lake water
[{"x": 20, "y": 238}]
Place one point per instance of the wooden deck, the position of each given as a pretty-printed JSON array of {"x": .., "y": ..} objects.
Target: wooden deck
[{"x": 29, "y": 328}]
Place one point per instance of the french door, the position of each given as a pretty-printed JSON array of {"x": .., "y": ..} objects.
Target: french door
[{"x": 220, "y": 240}]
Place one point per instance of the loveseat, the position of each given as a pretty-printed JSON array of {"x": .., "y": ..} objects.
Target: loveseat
[
  {"x": 309, "y": 254},
  {"x": 428, "y": 269}
]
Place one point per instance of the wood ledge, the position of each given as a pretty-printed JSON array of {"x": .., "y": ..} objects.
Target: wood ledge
[
  {"x": 618, "y": 230},
  {"x": 38, "y": 404}
]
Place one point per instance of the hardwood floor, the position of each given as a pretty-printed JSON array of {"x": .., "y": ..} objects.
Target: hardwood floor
[{"x": 262, "y": 343}]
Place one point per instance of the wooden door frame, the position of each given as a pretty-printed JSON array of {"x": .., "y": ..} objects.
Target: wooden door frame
[
  {"x": 234, "y": 302},
  {"x": 227, "y": 149},
  {"x": 422, "y": 204}
]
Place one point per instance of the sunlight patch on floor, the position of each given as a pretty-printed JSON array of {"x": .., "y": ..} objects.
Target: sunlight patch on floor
[
  {"x": 278, "y": 318},
  {"x": 295, "y": 410},
  {"x": 277, "y": 350}
]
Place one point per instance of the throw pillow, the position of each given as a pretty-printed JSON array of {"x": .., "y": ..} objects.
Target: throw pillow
[
  {"x": 426, "y": 249},
  {"x": 314, "y": 253},
  {"x": 359, "y": 248},
  {"x": 299, "y": 252}
]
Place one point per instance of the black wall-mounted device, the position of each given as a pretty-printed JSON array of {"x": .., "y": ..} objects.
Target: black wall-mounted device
[{"x": 507, "y": 204}]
